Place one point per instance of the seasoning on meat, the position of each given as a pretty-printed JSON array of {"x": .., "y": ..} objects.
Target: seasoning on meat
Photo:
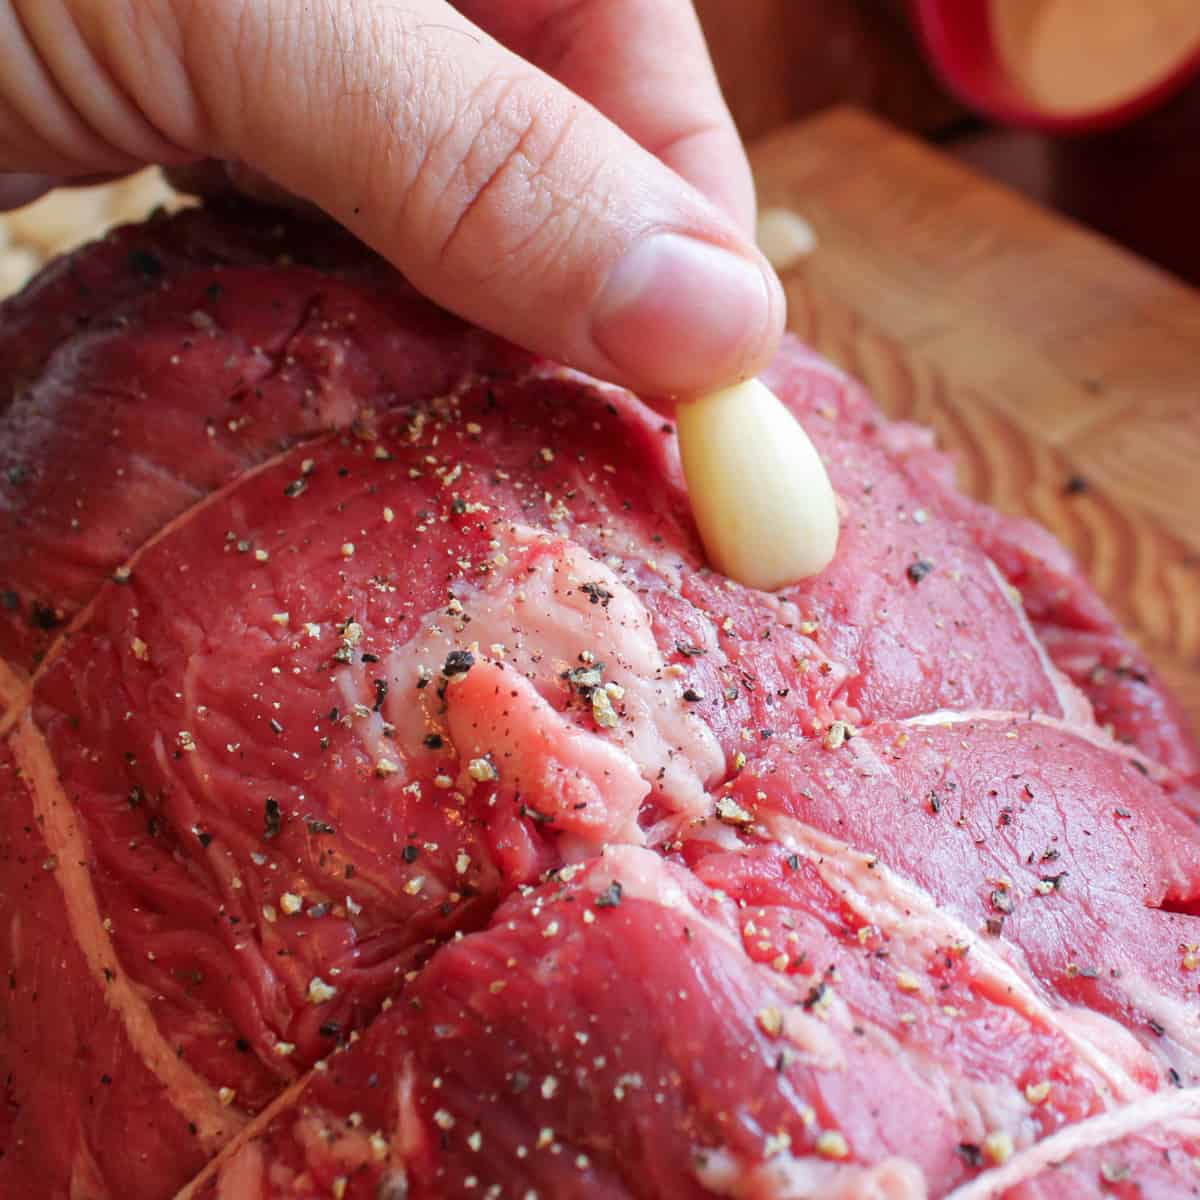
[{"x": 667, "y": 886}]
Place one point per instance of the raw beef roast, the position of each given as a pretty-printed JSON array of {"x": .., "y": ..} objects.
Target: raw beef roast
[{"x": 396, "y": 806}]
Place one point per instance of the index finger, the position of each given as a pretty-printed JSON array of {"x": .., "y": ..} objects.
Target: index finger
[{"x": 645, "y": 65}]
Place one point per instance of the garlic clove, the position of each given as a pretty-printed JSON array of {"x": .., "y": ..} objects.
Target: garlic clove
[
  {"x": 784, "y": 237},
  {"x": 762, "y": 500}
]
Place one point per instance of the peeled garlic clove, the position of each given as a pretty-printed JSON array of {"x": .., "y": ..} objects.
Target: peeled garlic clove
[
  {"x": 57, "y": 218},
  {"x": 138, "y": 195},
  {"x": 17, "y": 267},
  {"x": 762, "y": 500},
  {"x": 784, "y": 237}
]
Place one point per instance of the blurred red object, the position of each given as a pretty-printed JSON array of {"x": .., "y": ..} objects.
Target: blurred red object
[{"x": 1058, "y": 65}]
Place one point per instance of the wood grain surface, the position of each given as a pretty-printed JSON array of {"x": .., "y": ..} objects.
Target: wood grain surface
[
  {"x": 1089, "y": 179},
  {"x": 1064, "y": 372}
]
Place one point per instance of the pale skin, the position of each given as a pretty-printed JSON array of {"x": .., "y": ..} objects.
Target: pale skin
[{"x": 563, "y": 172}]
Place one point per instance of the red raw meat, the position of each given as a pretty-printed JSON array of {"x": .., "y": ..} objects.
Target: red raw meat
[
  {"x": 1081, "y": 636},
  {"x": 400, "y": 808}
]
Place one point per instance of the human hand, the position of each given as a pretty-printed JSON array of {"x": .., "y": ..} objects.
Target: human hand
[{"x": 563, "y": 172}]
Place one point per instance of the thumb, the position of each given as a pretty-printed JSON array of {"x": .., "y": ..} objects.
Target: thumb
[{"x": 498, "y": 192}]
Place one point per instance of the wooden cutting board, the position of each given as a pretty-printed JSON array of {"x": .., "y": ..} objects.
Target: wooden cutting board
[{"x": 1064, "y": 372}]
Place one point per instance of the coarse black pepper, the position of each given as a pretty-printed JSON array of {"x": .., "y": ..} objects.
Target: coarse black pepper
[
  {"x": 815, "y": 993},
  {"x": 43, "y": 616},
  {"x": 145, "y": 264},
  {"x": 458, "y": 662},
  {"x": 597, "y": 593},
  {"x": 970, "y": 1153}
]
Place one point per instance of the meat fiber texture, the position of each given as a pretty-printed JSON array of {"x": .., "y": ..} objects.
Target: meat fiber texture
[{"x": 397, "y": 807}]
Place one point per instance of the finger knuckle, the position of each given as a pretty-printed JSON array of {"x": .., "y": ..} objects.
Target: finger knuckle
[
  {"x": 508, "y": 192},
  {"x": 66, "y": 81}
]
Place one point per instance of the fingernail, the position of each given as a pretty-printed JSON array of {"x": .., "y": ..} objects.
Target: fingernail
[{"x": 679, "y": 315}]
